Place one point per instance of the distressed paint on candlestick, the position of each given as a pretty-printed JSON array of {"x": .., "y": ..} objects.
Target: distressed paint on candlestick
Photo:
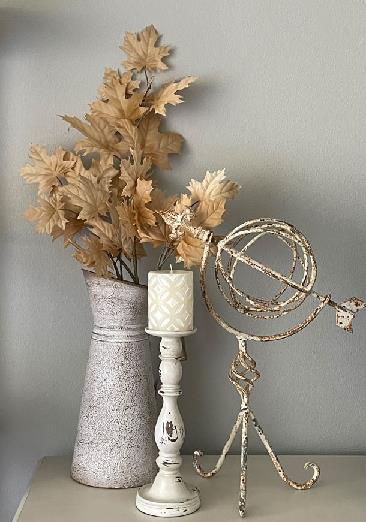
[{"x": 169, "y": 496}]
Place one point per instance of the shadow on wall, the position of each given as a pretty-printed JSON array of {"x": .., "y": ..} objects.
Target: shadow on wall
[
  {"x": 211, "y": 350},
  {"x": 22, "y": 33}
]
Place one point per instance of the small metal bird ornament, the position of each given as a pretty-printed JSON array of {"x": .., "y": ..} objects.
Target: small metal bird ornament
[{"x": 291, "y": 295}]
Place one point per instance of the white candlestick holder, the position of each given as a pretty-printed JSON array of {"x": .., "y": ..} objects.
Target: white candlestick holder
[{"x": 169, "y": 495}]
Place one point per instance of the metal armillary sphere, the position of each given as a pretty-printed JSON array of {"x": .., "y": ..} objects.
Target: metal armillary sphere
[{"x": 291, "y": 295}]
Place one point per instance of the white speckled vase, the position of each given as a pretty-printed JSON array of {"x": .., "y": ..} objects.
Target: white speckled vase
[{"x": 115, "y": 446}]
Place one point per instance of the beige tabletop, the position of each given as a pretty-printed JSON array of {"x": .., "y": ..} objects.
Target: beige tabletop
[{"x": 340, "y": 495}]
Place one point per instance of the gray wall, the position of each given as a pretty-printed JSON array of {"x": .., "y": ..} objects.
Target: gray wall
[{"x": 281, "y": 104}]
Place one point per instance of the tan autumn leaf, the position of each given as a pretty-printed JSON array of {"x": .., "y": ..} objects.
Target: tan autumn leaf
[
  {"x": 102, "y": 171},
  {"x": 136, "y": 166},
  {"x": 167, "y": 94},
  {"x": 89, "y": 195},
  {"x": 73, "y": 227},
  {"x": 158, "y": 145},
  {"x": 49, "y": 214},
  {"x": 117, "y": 234},
  {"x": 129, "y": 133},
  {"x": 125, "y": 79},
  {"x": 127, "y": 220},
  {"x": 108, "y": 235},
  {"x": 93, "y": 256},
  {"x": 77, "y": 170},
  {"x": 160, "y": 201},
  {"x": 158, "y": 234},
  {"x": 100, "y": 137},
  {"x": 190, "y": 250},
  {"x": 47, "y": 169},
  {"x": 144, "y": 216},
  {"x": 117, "y": 105},
  {"x": 212, "y": 194},
  {"x": 215, "y": 185},
  {"x": 182, "y": 203},
  {"x": 142, "y": 51}
]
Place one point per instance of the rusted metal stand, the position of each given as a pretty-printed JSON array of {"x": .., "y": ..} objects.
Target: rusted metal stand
[{"x": 243, "y": 374}]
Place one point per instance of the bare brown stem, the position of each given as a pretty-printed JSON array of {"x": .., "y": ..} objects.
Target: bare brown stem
[
  {"x": 134, "y": 258},
  {"x": 115, "y": 266},
  {"x": 130, "y": 273}
]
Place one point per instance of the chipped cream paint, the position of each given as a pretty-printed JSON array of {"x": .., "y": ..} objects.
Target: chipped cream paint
[
  {"x": 243, "y": 373},
  {"x": 169, "y": 495}
]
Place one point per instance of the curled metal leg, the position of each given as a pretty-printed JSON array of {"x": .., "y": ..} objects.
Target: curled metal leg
[
  {"x": 277, "y": 464},
  {"x": 198, "y": 453}
]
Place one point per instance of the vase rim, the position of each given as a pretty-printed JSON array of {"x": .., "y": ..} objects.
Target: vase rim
[{"x": 89, "y": 273}]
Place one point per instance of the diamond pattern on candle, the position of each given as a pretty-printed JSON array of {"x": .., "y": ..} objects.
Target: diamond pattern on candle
[{"x": 170, "y": 303}]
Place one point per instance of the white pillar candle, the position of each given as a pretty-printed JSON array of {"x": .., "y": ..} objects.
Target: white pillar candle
[{"x": 170, "y": 296}]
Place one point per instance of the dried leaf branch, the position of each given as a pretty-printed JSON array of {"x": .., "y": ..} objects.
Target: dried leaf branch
[{"x": 101, "y": 197}]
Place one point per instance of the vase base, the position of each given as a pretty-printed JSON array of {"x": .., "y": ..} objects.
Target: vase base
[{"x": 167, "y": 509}]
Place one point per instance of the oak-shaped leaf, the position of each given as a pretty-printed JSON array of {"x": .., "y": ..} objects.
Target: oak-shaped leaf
[
  {"x": 49, "y": 214},
  {"x": 167, "y": 94},
  {"x": 92, "y": 255},
  {"x": 47, "y": 169},
  {"x": 142, "y": 51}
]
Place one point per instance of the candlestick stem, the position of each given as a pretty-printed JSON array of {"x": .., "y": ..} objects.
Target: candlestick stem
[{"x": 169, "y": 495}]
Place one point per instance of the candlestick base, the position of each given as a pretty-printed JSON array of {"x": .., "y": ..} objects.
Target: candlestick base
[
  {"x": 169, "y": 496},
  {"x": 147, "y": 503}
]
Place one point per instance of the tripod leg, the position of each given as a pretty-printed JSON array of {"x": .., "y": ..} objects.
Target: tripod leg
[
  {"x": 221, "y": 459},
  {"x": 277, "y": 464},
  {"x": 244, "y": 457}
]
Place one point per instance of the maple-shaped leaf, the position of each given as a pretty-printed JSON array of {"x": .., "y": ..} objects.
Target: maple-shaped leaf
[
  {"x": 190, "y": 250},
  {"x": 142, "y": 52},
  {"x": 158, "y": 234},
  {"x": 144, "y": 216},
  {"x": 73, "y": 227},
  {"x": 160, "y": 201},
  {"x": 117, "y": 234},
  {"x": 136, "y": 166},
  {"x": 49, "y": 214},
  {"x": 108, "y": 234},
  {"x": 101, "y": 170},
  {"x": 125, "y": 79},
  {"x": 101, "y": 137},
  {"x": 127, "y": 220},
  {"x": 167, "y": 94},
  {"x": 117, "y": 105},
  {"x": 212, "y": 194},
  {"x": 129, "y": 133},
  {"x": 158, "y": 145},
  {"x": 183, "y": 202},
  {"x": 47, "y": 169},
  {"x": 93, "y": 256},
  {"x": 90, "y": 195}
]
